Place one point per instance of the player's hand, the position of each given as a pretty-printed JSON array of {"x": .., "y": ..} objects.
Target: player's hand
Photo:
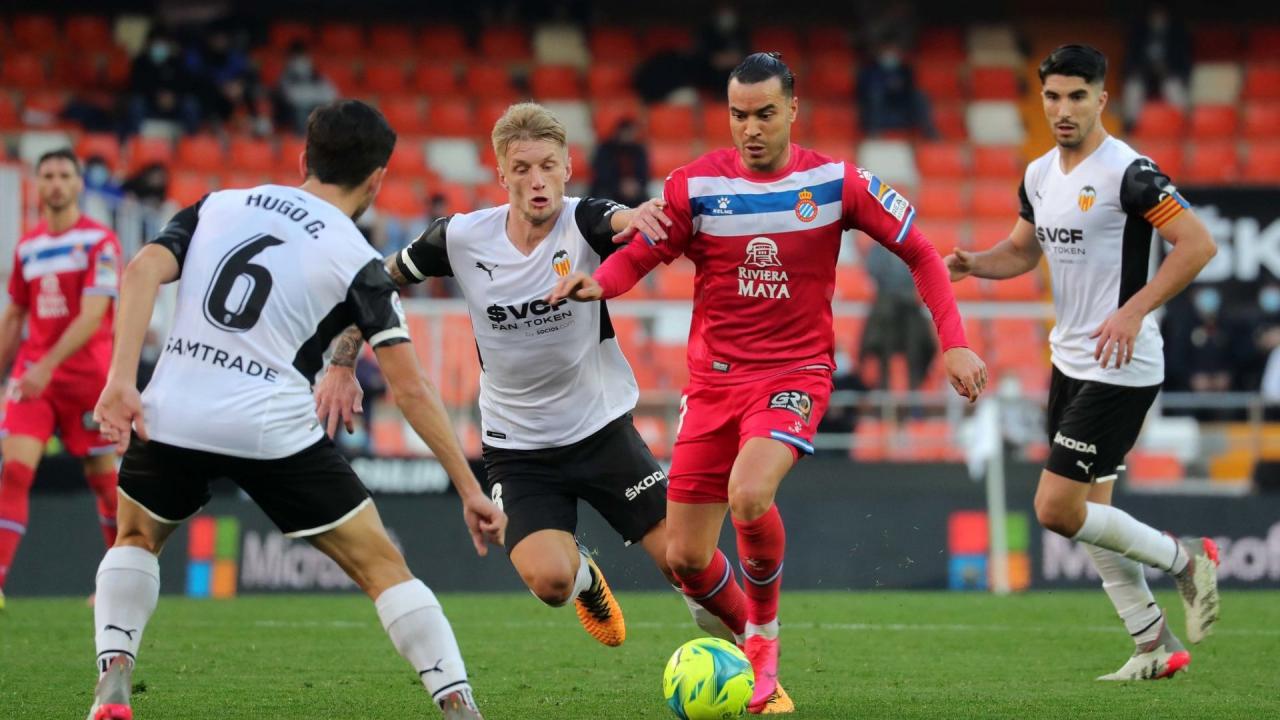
[
  {"x": 1116, "y": 337},
  {"x": 339, "y": 397},
  {"x": 119, "y": 413},
  {"x": 485, "y": 521},
  {"x": 33, "y": 381},
  {"x": 966, "y": 371},
  {"x": 576, "y": 286},
  {"x": 960, "y": 264},
  {"x": 647, "y": 218}
]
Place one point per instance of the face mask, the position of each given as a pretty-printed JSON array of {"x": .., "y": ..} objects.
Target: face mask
[
  {"x": 844, "y": 363},
  {"x": 726, "y": 21},
  {"x": 300, "y": 66},
  {"x": 159, "y": 52},
  {"x": 1208, "y": 302},
  {"x": 1269, "y": 300},
  {"x": 96, "y": 175},
  {"x": 890, "y": 60}
]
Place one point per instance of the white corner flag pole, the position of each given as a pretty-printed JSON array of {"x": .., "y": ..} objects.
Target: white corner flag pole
[{"x": 998, "y": 560}]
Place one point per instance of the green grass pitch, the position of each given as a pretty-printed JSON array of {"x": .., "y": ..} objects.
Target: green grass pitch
[{"x": 845, "y": 655}]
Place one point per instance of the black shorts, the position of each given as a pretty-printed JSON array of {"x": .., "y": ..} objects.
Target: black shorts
[
  {"x": 612, "y": 470},
  {"x": 1093, "y": 425},
  {"x": 304, "y": 494}
]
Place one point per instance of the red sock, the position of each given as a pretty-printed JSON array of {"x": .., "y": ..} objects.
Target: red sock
[
  {"x": 103, "y": 486},
  {"x": 15, "y": 489},
  {"x": 715, "y": 589},
  {"x": 761, "y": 543}
]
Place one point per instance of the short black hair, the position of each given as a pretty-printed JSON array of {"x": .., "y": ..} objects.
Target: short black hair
[
  {"x": 759, "y": 67},
  {"x": 347, "y": 140},
  {"x": 63, "y": 154},
  {"x": 1082, "y": 61}
]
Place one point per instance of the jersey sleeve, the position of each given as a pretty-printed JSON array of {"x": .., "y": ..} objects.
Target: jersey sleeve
[
  {"x": 103, "y": 274},
  {"x": 17, "y": 284},
  {"x": 874, "y": 207},
  {"x": 624, "y": 268},
  {"x": 594, "y": 217},
  {"x": 1025, "y": 211},
  {"x": 176, "y": 236},
  {"x": 1148, "y": 193},
  {"x": 375, "y": 306},
  {"x": 428, "y": 256}
]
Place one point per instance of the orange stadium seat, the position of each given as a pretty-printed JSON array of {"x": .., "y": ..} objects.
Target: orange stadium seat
[
  {"x": 853, "y": 284},
  {"x": 201, "y": 154},
  {"x": 239, "y": 179},
  {"x": 450, "y": 118},
  {"x": 1213, "y": 122},
  {"x": 1021, "y": 288},
  {"x": 608, "y": 114},
  {"x": 833, "y": 122},
  {"x": 848, "y": 333},
  {"x": 775, "y": 38},
  {"x": 1261, "y": 121},
  {"x": 25, "y": 70},
  {"x": 1262, "y": 82},
  {"x": 1215, "y": 42},
  {"x": 1148, "y": 468},
  {"x": 283, "y": 34},
  {"x": 975, "y": 334},
  {"x": 607, "y": 81},
  {"x": 1168, "y": 154},
  {"x": 671, "y": 123},
  {"x": 116, "y": 70},
  {"x": 672, "y": 363},
  {"x": 340, "y": 72},
  {"x": 949, "y": 119},
  {"x": 89, "y": 33},
  {"x": 187, "y": 188},
  {"x": 1262, "y": 163},
  {"x": 661, "y": 38},
  {"x": 942, "y": 200},
  {"x": 401, "y": 198},
  {"x": 986, "y": 234},
  {"x": 340, "y": 38},
  {"x": 1264, "y": 44},
  {"x": 404, "y": 114},
  {"x": 997, "y": 161},
  {"x": 444, "y": 43},
  {"x": 653, "y": 430},
  {"x": 457, "y": 198},
  {"x": 408, "y": 162},
  {"x": 969, "y": 289},
  {"x": 940, "y": 81},
  {"x": 675, "y": 282},
  {"x": 1159, "y": 121},
  {"x": 491, "y": 195},
  {"x": 392, "y": 40},
  {"x": 1212, "y": 162},
  {"x": 103, "y": 145},
  {"x": 487, "y": 114},
  {"x": 144, "y": 151},
  {"x": 942, "y": 44},
  {"x": 830, "y": 82},
  {"x": 35, "y": 32},
  {"x": 435, "y": 80},
  {"x": 556, "y": 82},
  {"x": 945, "y": 236},
  {"x": 505, "y": 44},
  {"x": 489, "y": 80},
  {"x": 385, "y": 77},
  {"x": 819, "y": 35},
  {"x": 996, "y": 199},
  {"x": 942, "y": 160},
  {"x": 614, "y": 45},
  {"x": 291, "y": 147},
  {"x": 715, "y": 125},
  {"x": 994, "y": 83},
  {"x": 252, "y": 155},
  {"x": 580, "y": 161},
  {"x": 870, "y": 440}
]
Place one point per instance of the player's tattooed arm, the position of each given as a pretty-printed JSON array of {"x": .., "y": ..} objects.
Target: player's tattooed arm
[
  {"x": 392, "y": 263},
  {"x": 347, "y": 348}
]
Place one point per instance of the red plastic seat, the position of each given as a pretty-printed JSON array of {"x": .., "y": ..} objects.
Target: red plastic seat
[
  {"x": 404, "y": 114},
  {"x": 833, "y": 122},
  {"x": 34, "y": 32},
  {"x": 675, "y": 282},
  {"x": 830, "y": 82},
  {"x": 435, "y": 80},
  {"x": 201, "y": 154},
  {"x": 608, "y": 81},
  {"x": 662, "y": 38},
  {"x": 1262, "y": 163},
  {"x": 853, "y": 284},
  {"x": 997, "y": 161},
  {"x": 665, "y": 157},
  {"x": 945, "y": 235},
  {"x": 942, "y": 200},
  {"x": 942, "y": 160},
  {"x": 556, "y": 82},
  {"x": 1213, "y": 122},
  {"x": 606, "y": 115},
  {"x": 1212, "y": 162},
  {"x": 444, "y": 44},
  {"x": 284, "y": 33},
  {"x": 987, "y": 233},
  {"x": 252, "y": 155},
  {"x": 996, "y": 200},
  {"x": 614, "y": 45},
  {"x": 942, "y": 44},
  {"x": 1167, "y": 154},
  {"x": 89, "y": 33},
  {"x": 385, "y": 77},
  {"x": 144, "y": 151},
  {"x": 949, "y": 119},
  {"x": 1261, "y": 82},
  {"x": 487, "y": 115},
  {"x": 994, "y": 83},
  {"x": 1261, "y": 121},
  {"x": 1215, "y": 43},
  {"x": 291, "y": 147},
  {"x": 505, "y": 45},
  {"x": 450, "y": 118},
  {"x": 1264, "y": 44},
  {"x": 187, "y": 188},
  {"x": 24, "y": 70},
  {"x": 671, "y": 122},
  {"x": 407, "y": 161},
  {"x": 340, "y": 72},
  {"x": 1159, "y": 121},
  {"x": 488, "y": 80},
  {"x": 400, "y": 198},
  {"x": 775, "y": 38},
  {"x": 341, "y": 38},
  {"x": 1021, "y": 288},
  {"x": 940, "y": 81},
  {"x": 103, "y": 145},
  {"x": 392, "y": 40}
]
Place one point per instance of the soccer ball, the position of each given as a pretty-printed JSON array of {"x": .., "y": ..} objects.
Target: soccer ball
[{"x": 708, "y": 679}]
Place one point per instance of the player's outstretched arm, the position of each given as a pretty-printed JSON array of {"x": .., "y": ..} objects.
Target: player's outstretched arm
[
  {"x": 421, "y": 406},
  {"x": 119, "y": 409},
  {"x": 1013, "y": 256},
  {"x": 646, "y": 218}
]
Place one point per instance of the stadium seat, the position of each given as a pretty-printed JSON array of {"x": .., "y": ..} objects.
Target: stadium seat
[
  {"x": 555, "y": 82},
  {"x": 1167, "y": 154},
  {"x": 505, "y": 45},
  {"x": 941, "y": 200},
  {"x": 870, "y": 440},
  {"x": 997, "y": 161},
  {"x": 394, "y": 41},
  {"x": 996, "y": 200},
  {"x": 291, "y": 147},
  {"x": 450, "y": 118},
  {"x": 560, "y": 44},
  {"x": 853, "y": 284},
  {"x": 653, "y": 430},
  {"x": 187, "y": 188},
  {"x": 945, "y": 235},
  {"x": 891, "y": 160},
  {"x": 457, "y": 160},
  {"x": 1151, "y": 469},
  {"x": 987, "y": 233},
  {"x": 1262, "y": 163},
  {"x": 675, "y": 282},
  {"x": 776, "y": 38},
  {"x": 239, "y": 179},
  {"x": 993, "y": 45},
  {"x": 340, "y": 72},
  {"x": 385, "y": 77},
  {"x": 200, "y": 154},
  {"x": 671, "y": 123},
  {"x": 252, "y": 155},
  {"x": 1212, "y": 42},
  {"x": 404, "y": 114},
  {"x": 144, "y": 151},
  {"x": 939, "y": 81},
  {"x": 488, "y": 80},
  {"x": 340, "y": 38},
  {"x": 284, "y": 33},
  {"x": 608, "y": 81},
  {"x": 1216, "y": 83},
  {"x": 616, "y": 45},
  {"x": 487, "y": 114},
  {"x": 1211, "y": 162},
  {"x": 1021, "y": 288},
  {"x": 9, "y": 119},
  {"x": 576, "y": 117},
  {"x": 24, "y": 70},
  {"x": 457, "y": 197},
  {"x": 942, "y": 45},
  {"x": 824, "y": 35},
  {"x": 833, "y": 122},
  {"x": 580, "y": 160},
  {"x": 1261, "y": 121},
  {"x": 950, "y": 119},
  {"x": 443, "y": 43},
  {"x": 662, "y": 38},
  {"x": 490, "y": 195},
  {"x": 408, "y": 161},
  {"x": 942, "y": 161},
  {"x": 1159, "y": 121},
  {"x": 1262, "y": 82},
  {"x": 994, "y": 83},
  {"x": 102, "y": 145},
  {"x": 1263, "y": 43},
  {"x": 435, "y": 80},
  {"x": 1213, "y": 122},
  {"x": 34, "y": 32},
  {"x": 88, "y": 33},
  {"x": 401, "y": 199},
  {"x": 830, "y": 82},
  {"x": 993, "y": 122}
]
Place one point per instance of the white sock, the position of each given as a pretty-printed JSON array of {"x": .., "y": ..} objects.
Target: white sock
[
  {"x": 769, "y": 631},
  {"x": 582, "y": 580},
  {"x": 1125, "y": 583},
  {"x": 127, "y": 591},
  {"x": 708, "y": 623},
  {"x": 1111, "y": 528},
  {"x": 418, "y": 628}
]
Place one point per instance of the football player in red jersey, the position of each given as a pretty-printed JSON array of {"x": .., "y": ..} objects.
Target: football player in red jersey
[
  {"x": 63, "y": 284},
  {"x": 762, "y": 223}
]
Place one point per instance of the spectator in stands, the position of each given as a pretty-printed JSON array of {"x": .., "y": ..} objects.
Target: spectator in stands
[
  {"x": 160, "y": 87},
  {"x": 888, "y": 98},
  {"x": 1158, "y": 63},
  {"x": 375, "y": 388},
  {"x": 302, "y": 89},
  {"x": 150, "y": 186},
  {"x": 842, "y": 418},
  {"x": 102, "y": 194},
  {"x": 226, "y": 81},
  {"x": 620, "y": 168},
  {"x": 897, "y": 323},
  {"x": 722, "y": 43},
  {"x": 1257, "y": 337}
]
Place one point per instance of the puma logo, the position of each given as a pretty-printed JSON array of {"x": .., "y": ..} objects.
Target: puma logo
[
  {"x": 1082, "y": 464},
  {"x": 434, "y": 668},
  {"x": 117, "y": 628},
  {"x": 487, "y": 268}
]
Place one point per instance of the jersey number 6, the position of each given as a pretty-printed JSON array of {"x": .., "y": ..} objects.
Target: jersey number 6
[{"x": 239, "y": 288}]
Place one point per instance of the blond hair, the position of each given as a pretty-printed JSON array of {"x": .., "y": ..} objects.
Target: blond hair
[{"x": 526, "y": 121}]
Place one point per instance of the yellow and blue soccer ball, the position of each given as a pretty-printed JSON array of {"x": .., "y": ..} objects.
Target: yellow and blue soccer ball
[{"x": 708, "y": 679}]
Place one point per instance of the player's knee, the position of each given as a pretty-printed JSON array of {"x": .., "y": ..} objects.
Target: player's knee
[
  {"x": 135, "y": 537},
  {"x": 748, "y": 503},
  {"x": 552, "y": 588},
  {"x": 377, "y": 575},
  {"x": 1059, "y": 517},
  {"x": 687, "y": 562}
]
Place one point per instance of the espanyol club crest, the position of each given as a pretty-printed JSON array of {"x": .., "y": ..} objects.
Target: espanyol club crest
[
  {"x": 806, "y": 209},
  {"x": 1087, "y": 196},
  {"x": 560, "y": 261}
]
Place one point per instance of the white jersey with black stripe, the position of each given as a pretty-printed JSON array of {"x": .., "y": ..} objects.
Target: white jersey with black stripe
[
  {"x": 268, "y": 277},
  {"x": 1095, "y": 226}
]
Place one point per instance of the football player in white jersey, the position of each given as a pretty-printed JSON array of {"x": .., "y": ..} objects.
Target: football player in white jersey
[
  {"x": 1090, "y": 206},
  {"x": 556, "y": 393},
  {"x": 230, "y": 397}
]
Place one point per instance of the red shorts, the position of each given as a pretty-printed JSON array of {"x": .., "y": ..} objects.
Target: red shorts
[
  {"x": 68, "y": 409},
  {"x": 717, "y": 420}
]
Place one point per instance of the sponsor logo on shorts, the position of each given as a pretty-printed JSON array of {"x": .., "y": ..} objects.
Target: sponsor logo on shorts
[
  {"x": 1073, "y": 444},
  {"x": 495, "y": 434},
  {"x": 720, "y": 366},
  {"x": 794, "y": 400},
  {"x": 649, "y": 481}
]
